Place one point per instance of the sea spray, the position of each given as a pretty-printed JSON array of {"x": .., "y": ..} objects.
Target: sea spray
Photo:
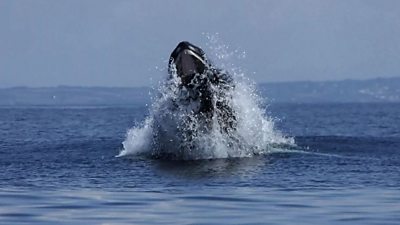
[{"x": 173, "y": 130}]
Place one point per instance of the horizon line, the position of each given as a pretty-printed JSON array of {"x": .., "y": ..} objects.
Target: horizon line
[{"x": 257, "y": 83}]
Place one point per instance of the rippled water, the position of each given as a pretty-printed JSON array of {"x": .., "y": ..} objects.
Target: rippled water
[{"x": 59, "y": 167}]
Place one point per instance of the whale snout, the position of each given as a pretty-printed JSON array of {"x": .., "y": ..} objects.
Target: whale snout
[{"x": 189, "y": 60}]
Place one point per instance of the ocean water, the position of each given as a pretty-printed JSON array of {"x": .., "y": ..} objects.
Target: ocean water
[{"x": 59, "y": 166}]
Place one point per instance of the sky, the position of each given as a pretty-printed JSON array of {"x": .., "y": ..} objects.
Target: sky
[{"x": 126, "y": 43}]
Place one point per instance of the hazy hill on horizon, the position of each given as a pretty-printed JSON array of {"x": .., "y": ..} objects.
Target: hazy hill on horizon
[{"x": 372, "y": 90}]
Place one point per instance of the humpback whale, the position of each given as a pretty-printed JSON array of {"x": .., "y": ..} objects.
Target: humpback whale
[
  {"x": 202, "y": 112},
  {"x": 203, "y": 84}
]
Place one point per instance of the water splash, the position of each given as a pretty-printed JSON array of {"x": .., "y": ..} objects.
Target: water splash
[{"x": 172, "y": 129}]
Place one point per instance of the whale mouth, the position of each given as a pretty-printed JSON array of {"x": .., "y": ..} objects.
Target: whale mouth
[{"x": 189, "y": 60}]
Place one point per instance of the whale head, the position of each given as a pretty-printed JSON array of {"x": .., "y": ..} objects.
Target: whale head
[{"x": 189, "y": 60}]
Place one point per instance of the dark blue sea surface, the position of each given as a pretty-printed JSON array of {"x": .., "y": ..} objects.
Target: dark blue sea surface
[{"x": 58, "y": 166}]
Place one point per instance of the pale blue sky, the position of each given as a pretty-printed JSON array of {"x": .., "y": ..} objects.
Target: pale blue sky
[{"x": 119, "y": 43}]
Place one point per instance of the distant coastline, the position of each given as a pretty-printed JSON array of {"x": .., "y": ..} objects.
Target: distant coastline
[{"x": 344, "y": 91}]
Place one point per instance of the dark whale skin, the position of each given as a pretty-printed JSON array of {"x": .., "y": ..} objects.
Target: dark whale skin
[{"x": 210, "y": 86}]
